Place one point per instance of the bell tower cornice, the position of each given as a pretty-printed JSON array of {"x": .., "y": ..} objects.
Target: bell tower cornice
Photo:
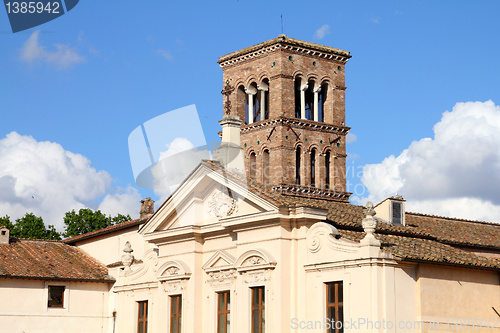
[{"x": 284, "y": 43}]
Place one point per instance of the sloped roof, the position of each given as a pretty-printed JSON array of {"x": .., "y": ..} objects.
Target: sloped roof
[
  {"x": 424, "y": 238},
  {"x": 49, "y": 260},
  {"x": 107, "y": 230},
  {"x": 457, "y": 231}
]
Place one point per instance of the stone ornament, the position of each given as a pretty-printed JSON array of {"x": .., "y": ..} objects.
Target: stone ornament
[
  {"x": 222, "y": 276},
  {"x": 221, "y": 205},
  {"x": 253, "y": 260},
  {"x": 369, "y": 225},
  {"x": 128, "y": 258},
  {"x": 255, "y": 277},
  {"x": 172, "y": 271}
]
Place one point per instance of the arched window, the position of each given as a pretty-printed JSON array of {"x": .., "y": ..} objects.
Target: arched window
[
  {"x": 313, "y": 167},
  {"x": 242, "y": 103},
  {"x": 297, "y": 166},
  {"x": 327, "y": 169},
  {"x": 253, "y": 166},
  {"x": 309, "y": 100},
  {"x": 252, "y": 104},
  {"x": 267, "y": 99},
  {"x": 262, "y": 111},
  {"x": 321, "y": 102},
  {"x": 265, "y": 167},
  {"x": 298, "y": 82}
]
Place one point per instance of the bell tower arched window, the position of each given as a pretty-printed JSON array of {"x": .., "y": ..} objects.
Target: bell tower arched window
[
  {"x": 309, "y": 100},
  {"x": 327, "y": 169},
  {"x": 253, "y": 166},
  {"x": 313, "y": 167},
  {"x": 321, "y": 93},
  {"x": 262, "y": 111},
  {"x": 297, "y": 166},
  {"x": 298, "y": 83},
  {"x": 265, "y": 166},
  {"x": 252, "y": 104}
]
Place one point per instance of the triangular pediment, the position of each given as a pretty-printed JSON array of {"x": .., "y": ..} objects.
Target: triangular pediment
[
  {"x": 220, "y": 260},
  {"x": 207, "y": 197}
]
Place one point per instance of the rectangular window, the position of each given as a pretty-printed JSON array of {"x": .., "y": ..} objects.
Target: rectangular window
[
  {"x": 56, "y": 296},
  {"x": 223, "y": 311},
  {"x": 142, "y": 318},
  {"x": 258, "y": 310},
  {"x": 335, "y": 306},
  {"x": 175, "y": 313}
]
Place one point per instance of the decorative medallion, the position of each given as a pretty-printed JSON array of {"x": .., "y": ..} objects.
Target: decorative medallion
[
  {"x": 253, "y": 260},
  {"x": 172, "y": 271},
  {"x": 221, "y": 205}
]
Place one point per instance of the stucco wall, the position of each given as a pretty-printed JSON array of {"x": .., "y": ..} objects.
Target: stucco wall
[
  {"x": 450, "y": 297},
  {"x": 108, "y": 248},
  {"x": 23, "y": 308}
]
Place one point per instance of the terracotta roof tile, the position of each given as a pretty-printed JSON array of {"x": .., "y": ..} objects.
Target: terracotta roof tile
[
  {"x": 41, "y": 259},
  {"x": 457, "y": 231},
  {"x": 426, "y": 250},
  {"x": 112, "y": 228}
]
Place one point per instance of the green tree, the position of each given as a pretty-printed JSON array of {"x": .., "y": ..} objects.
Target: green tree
[
  {"x": 87, "y": 220},
  {"x": 32, "y": 226},
  {"x": 5, "y": 222}
]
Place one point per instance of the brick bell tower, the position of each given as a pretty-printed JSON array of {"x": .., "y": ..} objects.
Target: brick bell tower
[{"x": 290, "y": 96}]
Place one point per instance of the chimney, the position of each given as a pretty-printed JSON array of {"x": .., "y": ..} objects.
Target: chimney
[
  {"x": 4, "y": 235},
  {"x": 147, "y": 208},
  {"x": 230, "y": 153},
  {"x": 392, "y": 210}
]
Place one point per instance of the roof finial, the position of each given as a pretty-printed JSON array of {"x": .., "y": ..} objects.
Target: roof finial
[
  {"x": 127, "y": 258},
  {"x": 369, "y": 225}
]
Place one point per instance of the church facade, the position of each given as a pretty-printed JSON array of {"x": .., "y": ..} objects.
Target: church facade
[{"x": 263, "y": 238}]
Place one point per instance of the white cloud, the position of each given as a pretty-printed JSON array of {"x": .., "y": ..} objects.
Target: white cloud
[
  {"x": 456, "y": 173},
  {"x": 375, "y": 20},
  {"x": 322, "y": 31},
  {"x": 175, "y": 164},
  {"x": 63, "y": 57},
  {"x": 166, "y": 54},
  {"x": 125, "y": 203},
  {"x": 43, "y": 178},
  {"x": 351, "y": 137}
]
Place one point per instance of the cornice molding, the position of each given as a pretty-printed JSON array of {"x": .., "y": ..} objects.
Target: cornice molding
[
  {"x": 296, "y": 123},
  {"x": 311, "y": 192},
  {"x": 287, "y": 44}
]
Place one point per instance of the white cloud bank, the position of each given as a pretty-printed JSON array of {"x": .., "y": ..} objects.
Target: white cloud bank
[
  {"x": 43, "y": 178},
  {"x": 322, "y": 31},
  {"x": 456, "y": 173},
  {"x": 63, "y": 57}
]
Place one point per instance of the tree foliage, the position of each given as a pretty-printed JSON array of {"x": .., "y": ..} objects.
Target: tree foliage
[
  {"x": 30, "y": 226},
  {"x": 87, "y": 220}
]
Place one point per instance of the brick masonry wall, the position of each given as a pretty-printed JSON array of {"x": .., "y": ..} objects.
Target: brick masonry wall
[{"x": 281, "y": 138}]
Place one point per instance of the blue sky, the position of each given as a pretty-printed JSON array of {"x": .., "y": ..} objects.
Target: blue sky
[{"x": 82, "y": 83}]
